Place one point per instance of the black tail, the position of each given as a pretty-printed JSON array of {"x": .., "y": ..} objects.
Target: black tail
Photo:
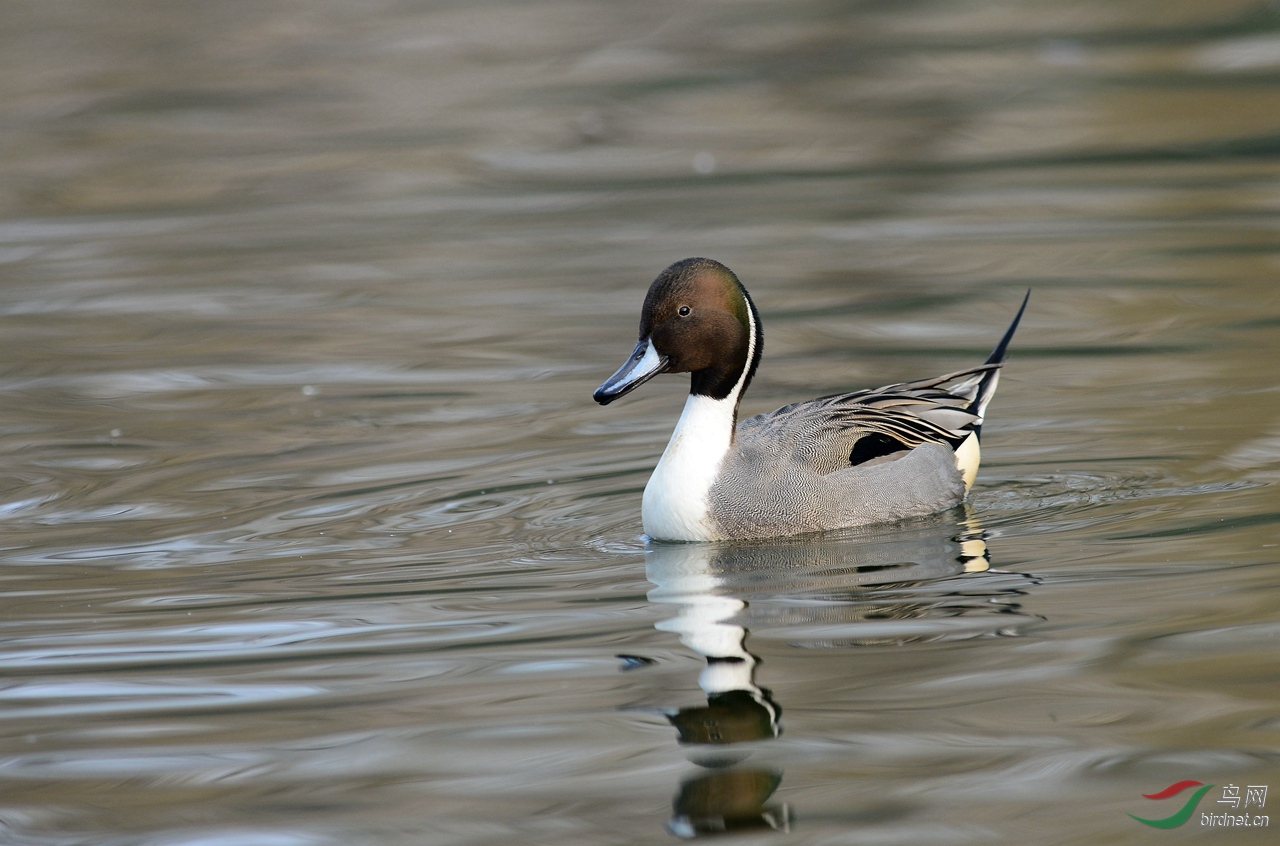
[
  {"x": 990, "y": 379},
  {"x": 997, "y": 355}
]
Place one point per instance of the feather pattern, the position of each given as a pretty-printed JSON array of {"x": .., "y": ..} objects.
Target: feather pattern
[
  {"x": 822, "y": 432},
  {"x": 801, "y": 468}
]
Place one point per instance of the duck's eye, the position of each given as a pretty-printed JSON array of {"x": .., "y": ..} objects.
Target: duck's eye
[{"x": 684, "y": 311}]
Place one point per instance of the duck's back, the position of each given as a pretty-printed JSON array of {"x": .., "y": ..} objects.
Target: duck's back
[{"x": 848, "y": 460}]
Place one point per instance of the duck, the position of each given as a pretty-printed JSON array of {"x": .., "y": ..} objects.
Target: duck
[{"x": 852, "y": 459}]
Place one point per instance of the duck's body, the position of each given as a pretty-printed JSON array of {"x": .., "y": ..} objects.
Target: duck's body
[{"x": 846, "y": 460}]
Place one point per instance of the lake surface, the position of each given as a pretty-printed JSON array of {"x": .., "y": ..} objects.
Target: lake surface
[{"x": 313, "y": 535}]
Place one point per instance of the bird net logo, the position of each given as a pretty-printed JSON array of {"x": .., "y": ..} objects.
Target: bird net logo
[{"x": 1253, "y": 796}]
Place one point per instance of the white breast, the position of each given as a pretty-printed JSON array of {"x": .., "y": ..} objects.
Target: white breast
[{"x": 676, "y": 501}]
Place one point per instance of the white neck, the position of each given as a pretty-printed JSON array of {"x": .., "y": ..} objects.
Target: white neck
[{"x": 677, "y": 499}]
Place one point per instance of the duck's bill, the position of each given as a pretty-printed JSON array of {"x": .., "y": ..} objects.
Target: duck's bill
[{"x": 644, "y": 363}]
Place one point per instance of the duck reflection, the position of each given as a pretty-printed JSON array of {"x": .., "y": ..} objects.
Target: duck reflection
[
  {"x": 729, "y": 796},
  {"x": 707, "y": 587}
]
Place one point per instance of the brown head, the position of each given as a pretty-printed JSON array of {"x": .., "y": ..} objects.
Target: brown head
[{"x": 698, "y": 319}]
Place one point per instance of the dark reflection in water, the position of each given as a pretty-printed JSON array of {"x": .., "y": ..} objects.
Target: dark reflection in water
[{"x": 849, "y": 580}]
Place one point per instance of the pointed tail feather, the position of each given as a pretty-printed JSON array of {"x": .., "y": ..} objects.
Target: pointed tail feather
[
  {"x": 990, "y": 379},
  {"x": 997, "y": 355}
]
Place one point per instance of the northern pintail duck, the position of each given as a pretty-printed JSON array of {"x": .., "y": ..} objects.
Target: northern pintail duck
[{"x": 852, "y": 459}]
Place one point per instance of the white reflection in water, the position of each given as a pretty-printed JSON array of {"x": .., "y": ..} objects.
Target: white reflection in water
[{"x": 711, "y": 588}]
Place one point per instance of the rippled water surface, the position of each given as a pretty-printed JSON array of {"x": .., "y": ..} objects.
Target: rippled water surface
[{"x": 313, "y": 535}]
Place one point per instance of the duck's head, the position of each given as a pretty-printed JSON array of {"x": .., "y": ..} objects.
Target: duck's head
[{"x": 697, "y": 318}]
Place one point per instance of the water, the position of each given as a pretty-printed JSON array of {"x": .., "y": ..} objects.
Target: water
[{"x": 313, "y": 535}]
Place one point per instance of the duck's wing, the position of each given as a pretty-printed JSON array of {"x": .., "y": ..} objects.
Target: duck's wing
[
  {"x": 847, "y": 430},
  {"x": 844, "y": 430}
]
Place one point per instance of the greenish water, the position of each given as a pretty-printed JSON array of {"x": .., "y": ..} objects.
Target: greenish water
[{"x": 313, "y": 535}]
